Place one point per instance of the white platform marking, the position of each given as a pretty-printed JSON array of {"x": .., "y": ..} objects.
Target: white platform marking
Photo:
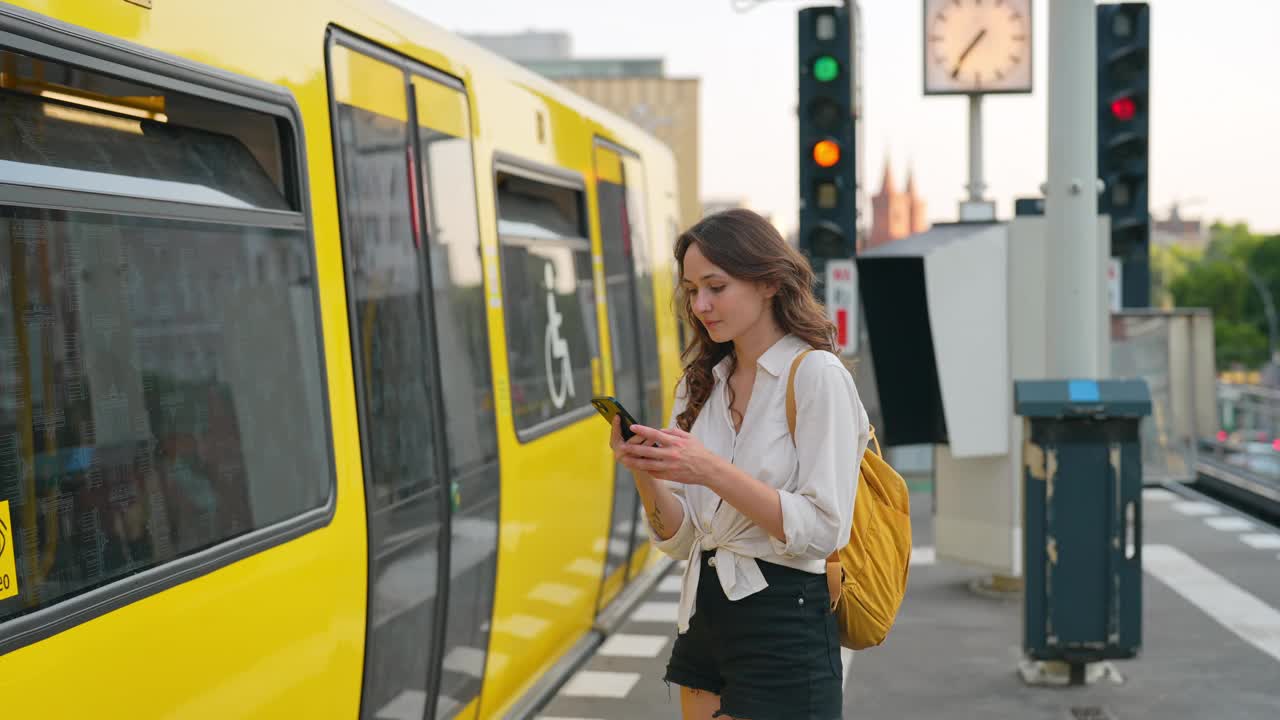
[
  {"x": 616, "y": 546},
  {"x": 1158, "y": 495},
  {"x": 522, "y": 626},
  {"x": 923, "y": 555},
  {"x": 599, "y": 684},
  {"x": 465, "y": 660},
  {"x": 408, "y": 705},
  {"x": 670, "y": 584},
  {"x": 445, "y": 706},
  {"x": 1195, "y": 508},
  {"x": 1261, "y": 541},
  {"x": 1254, "y": 621},
  {"x": 1229, "y": 523},
  {"x": 636, "y": 646},
  {"x": 585, "y": 567},
  {"x": 496, "y": 663},
  {"x": 664, "y": 612},
  {"x": 555, "y": 593}
]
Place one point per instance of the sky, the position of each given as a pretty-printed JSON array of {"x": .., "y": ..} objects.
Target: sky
[{"x": 1215, "y": 98}]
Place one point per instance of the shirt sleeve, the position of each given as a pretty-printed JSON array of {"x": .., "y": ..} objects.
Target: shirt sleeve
[
  {"x": 832, "y": 431},
  {"x": 680, "y": 544}
]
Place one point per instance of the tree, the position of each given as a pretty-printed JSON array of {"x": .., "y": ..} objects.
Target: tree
[{"x": 1218, "y": 280}]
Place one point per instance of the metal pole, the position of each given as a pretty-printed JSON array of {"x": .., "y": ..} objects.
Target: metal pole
[
  {"x": 976, "y": 186},
  {"x": 1077, "y": 307}
]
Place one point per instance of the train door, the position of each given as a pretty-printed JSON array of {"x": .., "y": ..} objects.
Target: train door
[
  {"x": 452, "y": 248},
  {"x": 411, "y": 251},
  {"x": 633, "y": 332}
]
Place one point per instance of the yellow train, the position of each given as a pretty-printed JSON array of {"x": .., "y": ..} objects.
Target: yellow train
[{"x": 302, "y": 305}]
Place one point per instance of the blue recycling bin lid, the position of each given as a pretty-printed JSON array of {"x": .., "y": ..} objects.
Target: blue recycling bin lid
[{"x": 1091, "y": 398}]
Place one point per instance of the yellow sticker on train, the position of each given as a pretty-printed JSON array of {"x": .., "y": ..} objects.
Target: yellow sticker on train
[{"x": 8, "y": 572}]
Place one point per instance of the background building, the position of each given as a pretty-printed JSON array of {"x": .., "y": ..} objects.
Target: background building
[
  {"x": 894, "y": 214},
  {"x": 1179, "y": 231},
  {"x": 635, "y": 88}
]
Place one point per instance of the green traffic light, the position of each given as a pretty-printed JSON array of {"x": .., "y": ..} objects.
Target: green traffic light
[{"x": 825, "y": 68}]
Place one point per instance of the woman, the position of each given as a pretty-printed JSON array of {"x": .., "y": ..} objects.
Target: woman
[{"x": 725, "y": 487}]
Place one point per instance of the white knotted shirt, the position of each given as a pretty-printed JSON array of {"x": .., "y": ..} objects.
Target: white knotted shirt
[{"x": 816, "y": 477}]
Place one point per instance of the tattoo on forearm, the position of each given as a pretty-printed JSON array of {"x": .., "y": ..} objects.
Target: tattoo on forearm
[{"x": 655, "y": 519}]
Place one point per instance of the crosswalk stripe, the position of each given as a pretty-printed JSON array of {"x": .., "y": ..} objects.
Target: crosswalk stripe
[
  {"x": 600, "y": 684},
  {"x": 636, "y": 646},
  {"x": 1229, "y": 523},
  {"x": 664, "y": 612},
  {"x": 1261, "y": 541},
  {"x": 1158, "y": 494},
  {"x": 670, "y": 584},
  {"x": 1254, "y": 621},
  {"x": 1195, "y": 508}
]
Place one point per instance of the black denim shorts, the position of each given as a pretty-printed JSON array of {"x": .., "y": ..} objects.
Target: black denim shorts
[{"x": 774, "y": 655}]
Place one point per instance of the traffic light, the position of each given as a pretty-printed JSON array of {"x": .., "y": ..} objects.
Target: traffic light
[
  {"x": 828, "y": 191},
  {"x": 1124, "y": 32}
]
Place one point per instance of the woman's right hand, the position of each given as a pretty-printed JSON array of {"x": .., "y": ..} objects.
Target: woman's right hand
[{"x": 616, "y": 443}]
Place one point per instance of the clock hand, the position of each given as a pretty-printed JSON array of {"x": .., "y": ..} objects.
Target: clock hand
[{"x": 973, "y": 43}]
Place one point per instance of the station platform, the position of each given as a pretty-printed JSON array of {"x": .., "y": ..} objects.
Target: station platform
[{"x": 1211, "y": 637}]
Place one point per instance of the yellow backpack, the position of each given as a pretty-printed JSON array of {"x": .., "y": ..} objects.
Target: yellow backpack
[{"x": 868, "y": 576}]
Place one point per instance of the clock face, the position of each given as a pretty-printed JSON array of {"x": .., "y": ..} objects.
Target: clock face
[{"x": 977, "y": 46}]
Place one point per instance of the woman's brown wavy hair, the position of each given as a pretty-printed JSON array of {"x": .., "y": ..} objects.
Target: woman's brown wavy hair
[{"x": 749, "y": 248}]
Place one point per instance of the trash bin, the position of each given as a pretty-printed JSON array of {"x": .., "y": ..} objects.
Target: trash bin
[{"x": 1082, "y": 524}]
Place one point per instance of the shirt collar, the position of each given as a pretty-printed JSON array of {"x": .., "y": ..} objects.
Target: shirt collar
[
  {"x": 776, "y": 360},
  {"x": 722, "y": 368}
]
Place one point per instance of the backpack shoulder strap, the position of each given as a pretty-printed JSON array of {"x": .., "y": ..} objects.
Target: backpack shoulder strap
[
  {"x": 791, "y": 394},
  {"x": 835, "y": 575}
]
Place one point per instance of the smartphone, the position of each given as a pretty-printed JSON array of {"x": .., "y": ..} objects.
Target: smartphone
[{"x": 609, "y": 407}]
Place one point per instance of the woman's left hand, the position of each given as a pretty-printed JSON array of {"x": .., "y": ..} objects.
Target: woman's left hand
[{"x": 679, "y": 457}]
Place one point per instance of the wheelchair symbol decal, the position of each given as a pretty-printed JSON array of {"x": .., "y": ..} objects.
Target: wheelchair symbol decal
[
  {"x": 8, "y": 571},
  {"x": 556, "y": 349}
]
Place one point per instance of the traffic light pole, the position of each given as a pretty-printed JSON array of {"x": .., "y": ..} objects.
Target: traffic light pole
[{"x": 1077, "y": 312}]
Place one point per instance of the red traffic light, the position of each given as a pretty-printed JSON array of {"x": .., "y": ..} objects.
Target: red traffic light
[{"x": 1123, "y": 109}]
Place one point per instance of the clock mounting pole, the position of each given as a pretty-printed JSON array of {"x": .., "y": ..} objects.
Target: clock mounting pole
[{"x": 976, "y": 208}]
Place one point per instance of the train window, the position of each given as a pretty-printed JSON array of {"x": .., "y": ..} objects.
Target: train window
[
  {"x": 160, "y": 369},
  {"x": 449, "y": 191},
  {"x": 68, "y": 128},
  {"x": 643, "y": 266},
  {"x": 550, "y": 309}
]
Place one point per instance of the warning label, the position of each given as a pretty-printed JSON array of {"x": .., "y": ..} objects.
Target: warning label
[{"x": 8, "y": 571}]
